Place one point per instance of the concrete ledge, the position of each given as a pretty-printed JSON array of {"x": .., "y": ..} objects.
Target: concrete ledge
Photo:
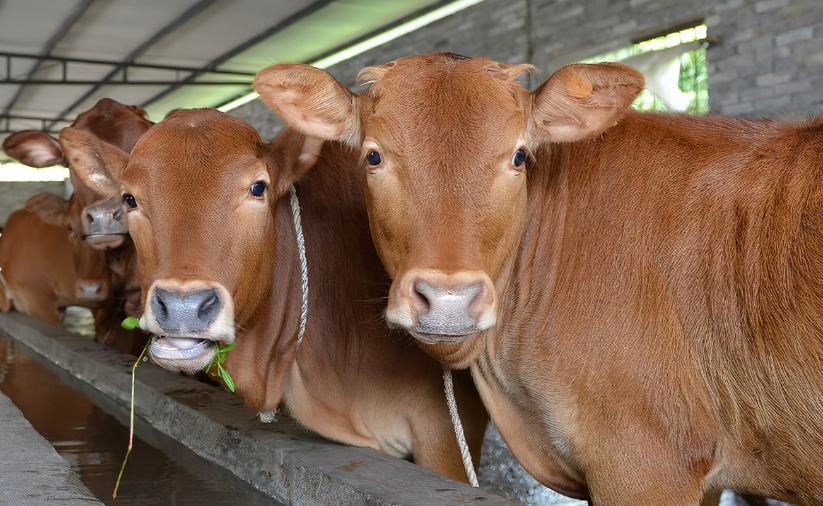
[
  {"x": 31, "y": 471},
  {"x": 281, "y": 459}
]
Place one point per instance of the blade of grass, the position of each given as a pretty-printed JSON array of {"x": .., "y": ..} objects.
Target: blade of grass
[{"x": 131, "y": 424}]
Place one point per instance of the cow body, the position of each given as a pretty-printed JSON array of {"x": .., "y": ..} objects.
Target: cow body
[
  {"x": 210, "y": 213},
  {"x": 37, "y": 268},
  {"x": 640, "y": 304},
  {"x": 684, "y": 288}
]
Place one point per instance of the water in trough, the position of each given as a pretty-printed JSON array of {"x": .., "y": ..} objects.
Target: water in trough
[{"x": 94, "y": 440}]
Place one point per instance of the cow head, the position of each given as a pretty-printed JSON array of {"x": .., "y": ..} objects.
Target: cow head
[
  {"x": 101, "y": 223},
  {"x": 199, "y": 189},
  {"x": 93, "y": 276},
  {"x": 446, "y": 148}
]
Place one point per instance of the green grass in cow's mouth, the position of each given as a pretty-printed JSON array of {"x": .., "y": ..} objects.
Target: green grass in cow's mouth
[
  {"x": 132, "y": 323},
  {"x": 217, "y": 361}
]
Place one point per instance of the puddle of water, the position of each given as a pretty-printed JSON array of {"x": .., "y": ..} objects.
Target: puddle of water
[{"x": 94, "y": 442}]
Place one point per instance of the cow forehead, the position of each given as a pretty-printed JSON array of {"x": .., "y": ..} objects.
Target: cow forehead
[
  {"x": 430, "y": 108},
  {"x": 196, "y": 149}
]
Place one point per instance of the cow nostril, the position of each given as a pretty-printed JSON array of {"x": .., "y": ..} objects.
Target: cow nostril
[
  {"x": 479, "y": 301},
  {"x": 118, "y": 215},
  {"x": 160, "y": 307},
  {"x": 420, "y": 302},
  {"x": 208, "y": 307}
]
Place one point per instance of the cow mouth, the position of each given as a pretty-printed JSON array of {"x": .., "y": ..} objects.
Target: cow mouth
[
  {"x": 436, "y": 338},
  {"x": 182, "y": 354},
  {"x": 105, "y": 241}
]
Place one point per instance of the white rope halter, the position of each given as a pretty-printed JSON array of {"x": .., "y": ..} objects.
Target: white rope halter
[
  {"x": 304, "y": 267},
  {"x": 271, "y": 416},
  {"x": 458, "y": 427}
]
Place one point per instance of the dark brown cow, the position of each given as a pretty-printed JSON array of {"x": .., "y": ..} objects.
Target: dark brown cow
[
  {"x": 219, "y": 262},
  {"x": 639, "y": 296},
  {"x": 90, "y": 220},
  {"x": 38, "y": 271}
]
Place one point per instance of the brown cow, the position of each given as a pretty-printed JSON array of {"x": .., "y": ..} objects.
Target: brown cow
[
  {"x": 38, "y": 270},
  {"x": 91, "y": 221},
  {"x": 219, "y": 263},
  {"x": 639, "y": 296}
]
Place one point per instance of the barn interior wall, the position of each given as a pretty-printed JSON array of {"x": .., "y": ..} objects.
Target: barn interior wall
[
  {"x": 13, "y": 195},
  {"x": 767, "y": 59}
]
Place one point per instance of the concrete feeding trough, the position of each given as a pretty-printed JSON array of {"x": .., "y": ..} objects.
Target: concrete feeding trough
[{"x": 281, "y": 459}]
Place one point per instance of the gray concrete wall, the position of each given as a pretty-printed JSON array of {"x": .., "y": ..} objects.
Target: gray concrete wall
[
  {"x": 768, "y": 60},
  {"x": 13, "y": 195}
]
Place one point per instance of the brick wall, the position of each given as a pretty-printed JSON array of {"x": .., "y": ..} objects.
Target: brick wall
[{"x": 768, "y": 60}]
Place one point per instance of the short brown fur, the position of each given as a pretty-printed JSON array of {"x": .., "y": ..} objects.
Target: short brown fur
[
  {"x": 659, "y": 328},
  {"x": 351, "y": 380}
]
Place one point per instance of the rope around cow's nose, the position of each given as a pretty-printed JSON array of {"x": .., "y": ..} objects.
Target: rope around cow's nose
[
  {"x": 271, "y": 416},
  {"x": 458, "y": 427}
]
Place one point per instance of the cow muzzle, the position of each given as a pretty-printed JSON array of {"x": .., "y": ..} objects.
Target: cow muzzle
[
  {"x": 105, "y": 224},
  {"x": 92, "y": 290},
  {"x": 188, "y": 318},
  {"x": 439, "y": 307}
]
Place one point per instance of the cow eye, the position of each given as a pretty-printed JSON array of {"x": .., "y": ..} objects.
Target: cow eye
[
  {"x": 518, "y": 158},
  {"x": 257, "y": 189},
  {"x": 373, "y": 158},
  {"x": 128, "y": 198}
]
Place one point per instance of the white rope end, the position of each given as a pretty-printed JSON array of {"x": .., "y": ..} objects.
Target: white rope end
[{"x": 458, "y": 428}]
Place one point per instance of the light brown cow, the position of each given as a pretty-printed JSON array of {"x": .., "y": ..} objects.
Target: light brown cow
[
  {"x": 639, "y": 296},
  {"x": 90, "y": 220},
  {"x": 209, "y": 212},
  {"x": 38, "y": 270}
]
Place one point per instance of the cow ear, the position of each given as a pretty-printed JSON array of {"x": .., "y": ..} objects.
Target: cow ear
[
  {"x": 292, "y": 154},
  {"x": 49, "y": 208},
  {"x": 33, "y": 148},
  {"x": 583, "y": 100},
  {"x": 97, "y": 163},
  {"x": 309, "y": 100}
]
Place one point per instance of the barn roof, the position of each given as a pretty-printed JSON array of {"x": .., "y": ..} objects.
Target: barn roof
[{"x": 58, "y": 58}]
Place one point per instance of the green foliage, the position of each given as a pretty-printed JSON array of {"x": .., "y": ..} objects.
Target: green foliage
[
  {"x": 693, "y": 69},
  {"x": 130, "y": 323},
  {"x": 693, "y": 79},
  {"x": 217, "y": 361}
]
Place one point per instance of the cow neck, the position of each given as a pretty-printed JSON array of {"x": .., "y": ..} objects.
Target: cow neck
[
  {"x": 532, "y": 274},
  {"x": 300, "y": 243}
]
